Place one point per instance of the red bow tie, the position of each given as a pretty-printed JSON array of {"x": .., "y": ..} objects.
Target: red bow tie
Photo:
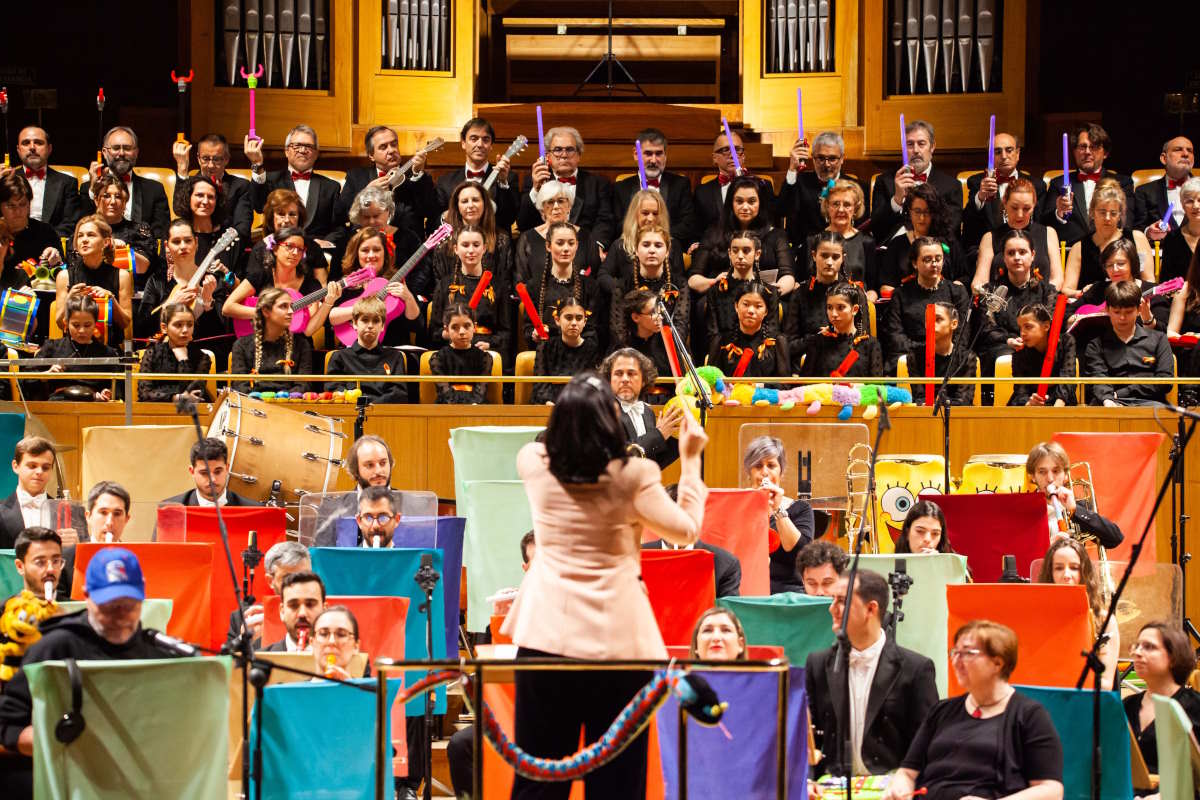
[
  {"x": 1087, "y": 176},
  {"x": 301, "y": 176},
  {"x": 722, "y": 179},
  {"x": 653, "y": 182},
  {"x": 1003, "y": 181},
  {"x": 477, "y": 174},
  {"x": 40, "y": 174},
  {"x": 127, "y": 177},
  {"x": 569, "y": 179},
  {"x": 382, "y": 174},
  {"x": 1171, "y": 182},
  {"x": 920, "y": 177}
]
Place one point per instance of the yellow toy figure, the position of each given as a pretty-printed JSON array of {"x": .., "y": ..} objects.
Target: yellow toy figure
[
  {"x": 899, "y": 481},
  {"x": 19, "y": 629}
]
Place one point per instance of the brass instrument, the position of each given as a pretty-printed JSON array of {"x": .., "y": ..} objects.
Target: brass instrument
[
  {"x": 1079, "y": 480},
  {"x": 858, "y": 472}
]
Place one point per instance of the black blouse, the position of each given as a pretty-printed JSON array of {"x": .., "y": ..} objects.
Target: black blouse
[
  {"x": 1176, "y": 256},
  {"x": 253, "y": 264},
  {"x": 722, "y": 320},
  {"x": 67, "y": 348},
  {"x": 105, "y": 276},
  {"x": 861, "y": 263},
  {"x": 825, "y": 351},
  {"x": 161, "y": 358},
  {"x": 28, "y": 243},
  {"x": 1090, "y": 268},
  {"x": 711, "y": 258},
  {"x": 1027, "y": 363},
  {"x": 470, "y": 361},
  {"x": 493, "y": 315},
  {"x": 555, "y": 357},
  {"x": 549, "y": 300},
  {"x": 894, "y": 265},
  {"x": 158, "y": 289},
  {"x": 273, "y": 354},
  {"x": 965, "y": 366},
  {"x": 997, "y": 328},
  {"x": 358, "y": 360},
  {"x": 618, "y": 265},
  {"x": 530, "y": 255},
  {"x": 768, "y": 359},
  {"x": 1147, "y": 740},
  {"x": 902, "y": 324},
  {"x": 1041, "y": 249},
  {"x": 783, "y": 562},
  {"x": 805, "y": 312}
]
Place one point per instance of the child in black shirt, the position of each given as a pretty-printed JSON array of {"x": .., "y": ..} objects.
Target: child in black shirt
[
  {"x": 462, "y": 356},
  {"x": 175, "y": 352},
  {"x": 367, "y": 356},
  {"x": 81, "y": 314},
  {"x": 567, "y": 354}
]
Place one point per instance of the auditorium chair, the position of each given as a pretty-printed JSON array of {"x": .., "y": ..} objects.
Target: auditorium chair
[
  {"x": 495, "y": 391},
  {"x": 523, "y": 367},
  {"x": 902, "y": 372},
  {"x": 1141, "y": 176},
  {"x": 1048, "y": 176},
  {"x": 11, "y": 355},
  {"x": 963, "y": 177},
  {"x": 56, "y": 332},
  {"x": 80, "y": 173},
  {"x": 1003, "y": 390},
  {"x": 164, "y": 175}
]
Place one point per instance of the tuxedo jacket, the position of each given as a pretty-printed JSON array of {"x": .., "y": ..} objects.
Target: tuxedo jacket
[
  {"x": 409, "y": 214},
  {"x": 238, "y": 212},
  {"x": 662, "y": 451},
  {"x": 149, "y": 200},
  {"x": 60, "y": 203},
  {"x": 12, "y": 522},
  {"x": 508, "y": 201},
  {"x": 1150, "y": 203},
  {"x": 978, "y": 221},
  {"x": 727, "y": 570},
  {"x": 902, "y": 693},
  {"x": 1079, "y": 224},
  {"x": 188, "y": 498},
  {"x": 323, "y": 192},
  {"x": 592, "y": 209},
  {"x": 276, "y": 647},
  {"x": 884, "y": 220},
  {"x": 677, "y": 191},
  {"x": 710, "y": 205}
]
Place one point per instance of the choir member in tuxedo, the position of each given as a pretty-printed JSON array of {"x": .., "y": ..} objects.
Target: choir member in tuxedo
[
  {"x": 1152, "y": 198},
  {"x": 805, "y": 313},
  {"x": 55, "y": 198},
  {"x": 559, "y": 282},
  {"x": 468, "y": 205},
  {"x": 368, "y": 356},
  {"x": 284, "y": 209},
  {"x": 273, "y": 350},
  {"x": 842, "y": 205},
  {"x": 902, "y": 325},
  {"x": 370, "y": 248},
  {"x": 799, "y": 201},
  {"x": 950, "y": 356},
  {"x": 749, "y": 350},
  {"x": 287, "y": 270},
  {"x": 554, "y": 202},
  {"x": 476, "y": 138},
  {"x": 30, "y": 505},
  {"x": 722, "y": 317},
  {"x": 591, "y": 194},
  {"x": 711, "y": 195},
  {"x": 176, "y": 352},
  {"x": 462, "y": 355},
  {"x": 208, "y": 465},
  {"x": 1019, "y": 205},
  {"x": 26, "y": 237},
  {"x": 1179, "y": 245},
  {"x": 887, "y": 199},
  {"x": 891, "y": 691},
  {"x": 675, "y": 189},
  {"x": 630, "y": 374},
  {"x": 212, "y": 154},
  {"x": 568, "y": 352},
  {"x": 1084, "y": 265},
  {"x": 491, "y": 319},
  {"x": 318, "y": 193},
  {"x": 747, "y": 209},
  {"x": 924, "y": 215},
  {"x": 1068, "y": 213},
  {"x": 147, "y": 198},
  {"x": 111, "y": 198},
  {"x": 1033, "y": 322},
  {"x": 90, "y": 271},
  {"x": 986, "y": 193},
  {"x": 826, "y": 350},
  {"x": 412, "y": 200},
  {"x": 199, "y": 201},
  {"x": 1127, "y": 350}
]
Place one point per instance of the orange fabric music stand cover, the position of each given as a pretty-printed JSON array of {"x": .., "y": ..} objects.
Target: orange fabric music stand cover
[
  {"x": 681, "y": 587},
  {"x": 1053, "y": 626},
  {"x": 1125, "y": 471},
  {"x": 181, "y": 573},
  {"x": 987, "y": 527}
]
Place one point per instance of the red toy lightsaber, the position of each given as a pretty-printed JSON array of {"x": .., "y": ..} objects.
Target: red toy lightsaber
[
  {"x": 849, "y": 361},
  {"x": 535, "y": 319},
  {"x": 744, "y": 362},
  {"x": 1060, "y": 310},
  {"x": 672, "y": 356},
  {"x": 930, "y": 322},
  {"x": 484, "y": 281}
]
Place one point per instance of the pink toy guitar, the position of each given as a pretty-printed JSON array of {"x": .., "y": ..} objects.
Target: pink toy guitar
[
  {"x": 300, "y": 303},
  {"x": 1170, "y": 287},
  {"x": 378, "y": 286}
]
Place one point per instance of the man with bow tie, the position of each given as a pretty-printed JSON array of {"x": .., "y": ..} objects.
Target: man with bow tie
[
  {"x": 676, "y": 189},
  {"x": 887, "y": 199},
  {"x": 986, "y": 193},
  {"x": 592, "y": 206},
  {"x": 29, "y": 505},
  {"x": 891, "y": 688},
  {"x": 476, "y": 139},
  {"x": 147, "y": 198},
  {"x": 1152, "y": 198},
  {"x": 413, "y": 198},
  {"x": 318, "y": 192},
  {"x": 1068, "y": 213},
  {"x": 629, "y": 372},
  {"x": 805, "y": 186},
  {"x": 710, "y": 196},
  {"x": 212, "y": 153},
  {"x": 55, "y": 194}
]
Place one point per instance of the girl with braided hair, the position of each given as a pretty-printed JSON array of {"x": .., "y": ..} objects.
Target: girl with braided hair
[
  {"x": 561, "y": 281},
  {"x": 825, "y": 350},
  {"x": 653, "y": 273},
  {"x": 273, "y": 349},
  {"x": 751, "y": 350},
  {"x": 493, "y": 312},
  {"x": 567, "y": 354},
  {"x": 721, "y": 319}
]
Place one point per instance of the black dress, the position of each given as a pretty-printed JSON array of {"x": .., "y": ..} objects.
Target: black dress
[
  {"x": 1041, "y": 249},
  {"x": 273, "y": 355},
  {"x": 675, "y": 296},
  {"x": 441, "y": 262},
  {"x": 894, "y": 265},
  {"x": 1147, "y": 740},
  {"x": 965, "y": 363},
  {"x": 530, "y": 253},
  {"x": 860, "y": 264},
  {"x": 555, "y": 357},
  {"x": 493, "y": 315},
  {"x": 1176, "y": 256},
  {"x": 783, "y": 562},
  {"x": 768, "y": 355},
  {"x": 67, "y": 348},
  {"x": 254, "y": 264},
  {"x": 549, "y": 300},
  {"x": 902, "y": 325},
  {"x": 721, "y": 319},
  {"x": 358, "y": 360},
  {"x": 993, "y": 330},
  {"x": 711, "y": 258},
  {"x": 105, "y": 276},
  {"x": 805, "y": 313},
  {"x": 1027, "y": 363},
  {"x": 618, "y": 265},
  {"x": 161, "y": 358},
  {"x": 470, "y": 361},
  {"x": 825, "y": 351}
]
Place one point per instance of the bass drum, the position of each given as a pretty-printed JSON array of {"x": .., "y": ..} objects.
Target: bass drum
[{"x": 269, "y": 442}]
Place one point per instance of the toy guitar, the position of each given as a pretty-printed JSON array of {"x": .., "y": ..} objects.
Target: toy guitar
[
  {"x": 517, "y": 146},
  {"x": 399, "y": 174},
  {"x": 1170, "y": 287},
  {"x": 208, "y": 266},
  {"x": 300, "y": 303},
  {"x": 345, "y": 332}
]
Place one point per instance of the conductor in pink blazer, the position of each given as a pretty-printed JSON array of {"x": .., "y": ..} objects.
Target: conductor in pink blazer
[{"x": 583, "y": 595}]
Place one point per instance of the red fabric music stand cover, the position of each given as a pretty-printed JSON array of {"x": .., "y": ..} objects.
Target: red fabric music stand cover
[
  {"x": 1124, "y": 468},
  {"x": 1053, "y": 626},
  {"x": 987, "y": 527},
  {"x": 181, "y": 573},
  {"x": 681, "y": 587}
]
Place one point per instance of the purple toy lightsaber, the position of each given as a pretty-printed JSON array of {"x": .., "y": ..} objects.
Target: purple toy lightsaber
[
  {"x": 992, "y": 146},
  {"x": 903, "y": 142},
  {"x": 641, "y": 164},
  {"x": 1066, "y": 171},
  {"x": 541, "y": 136},
  {"x": 737, "y": 162}
]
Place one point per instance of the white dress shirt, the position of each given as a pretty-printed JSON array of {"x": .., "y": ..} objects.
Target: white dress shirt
[
  {"x": 261, "y": 177},
  {"x": 34, "y": 510},
  {"x": 38, "y": 185},
  {"x": 635, "y": 413},
  {"x": 862, "y": 672},
  {"x": 204, "y": 502}
]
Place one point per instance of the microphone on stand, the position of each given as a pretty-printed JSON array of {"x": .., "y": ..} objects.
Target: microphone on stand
[
  {"x": 170, "y": 644},
  {"x": 994, "y": 301}
]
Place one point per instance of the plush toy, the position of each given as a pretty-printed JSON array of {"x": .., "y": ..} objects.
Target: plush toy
[
  {"x": 812, "y": 396},
  {"x": 19, "y": 629}
]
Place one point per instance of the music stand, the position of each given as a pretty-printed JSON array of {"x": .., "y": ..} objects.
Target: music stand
[{"x": 608, "y": 61}]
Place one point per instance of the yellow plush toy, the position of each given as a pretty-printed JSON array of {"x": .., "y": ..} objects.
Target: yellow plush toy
[{"x": 19, "y": 629}]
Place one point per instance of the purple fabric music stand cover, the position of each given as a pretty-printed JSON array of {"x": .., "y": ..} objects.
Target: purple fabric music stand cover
[{"x": 987, "y": 527}]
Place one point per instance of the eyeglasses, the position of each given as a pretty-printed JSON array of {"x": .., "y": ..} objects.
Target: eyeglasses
[
  {"x": 301, "y": 147},
  {"x": 1149, "y": 647},
  {"x": 42, "y": 563},
  {"x": 120, "y": 148},
  {"x": 964, "y": 652},
  {"x": 1084, "y": 146},
  {"x": 724, "y": 151},
  {"x": 211, "y": 159},
  {"x": 295, "y": 248},
  {"x": 824, "y": 159},
  {"x": 557, "y": 201},
  {"x": 563, "y": 151},
  {"x": 339, "y": 635},
  {"x": 373, "y": 519},
  {"x": 920, "y": 212}
]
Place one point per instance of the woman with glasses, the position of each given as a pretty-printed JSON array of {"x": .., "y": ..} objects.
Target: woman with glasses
[
  {"x": 1164, "y": 659},
  {"x": 1107, "y": 211},
  {"x": 925, "y": 214},
  {"x": 335, "y": 643},
  {"x": 286, "y": 249},
  {"x": 284, "y": 209},
  {"x": 841, "y": 206},
  {"x": 554, "y": 202},
  {"x": 27, "y": 237},
  {"x": 991, "y": 741},
  {"x": 902, "y": 324}
]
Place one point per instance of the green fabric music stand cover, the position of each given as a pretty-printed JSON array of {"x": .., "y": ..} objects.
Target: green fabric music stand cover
[
  {"x": 10, "y": 579},
  {"x": 498, "y": 515},
  {"x": 12, "y": 430},
  {"x": 155, "y": 728},
  {"x": 487, "y": 453},
  {"x": 1071, "y": 711},
  {"x": 1173, "y": 732},
  {"x": 796, "y": 622}
]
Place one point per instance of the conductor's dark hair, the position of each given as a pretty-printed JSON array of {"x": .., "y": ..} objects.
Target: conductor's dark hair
[
  {"x": 526, "y": 540},
  {"x": 924, "y": 508},
  {"x": 584, "y": 432},
  {"x": 208, "y": 449}
]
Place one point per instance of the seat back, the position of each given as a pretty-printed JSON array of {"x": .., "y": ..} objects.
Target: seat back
[
  {"x": 166, "y": 177},
  {"x": 523, "y": 367},
  {"x": 1141, "y": 176},
  {"x": 963, "y": 177}
]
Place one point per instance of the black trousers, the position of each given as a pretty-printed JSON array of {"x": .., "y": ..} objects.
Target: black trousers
[
  {"x": 551, "y": 707},
  {"x": 460, "y": 753}
]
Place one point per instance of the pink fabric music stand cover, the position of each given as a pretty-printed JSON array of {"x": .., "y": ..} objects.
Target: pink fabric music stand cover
[
  {"x": 681, "y": 587},
  {"x": 987, "y": 527}
]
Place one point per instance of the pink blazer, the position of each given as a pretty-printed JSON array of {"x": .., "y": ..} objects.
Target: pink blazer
[{"x": 583, "y": 595}]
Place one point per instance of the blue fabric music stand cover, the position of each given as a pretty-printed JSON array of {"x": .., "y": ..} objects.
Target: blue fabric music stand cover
[
  {"x": 1071, "y": 711},
  {"x": 301, "y": 758},
  {"x": 753, "y": 698},
  {"x": 12, "y": 430},
  {"x": 390, "y": 573}
]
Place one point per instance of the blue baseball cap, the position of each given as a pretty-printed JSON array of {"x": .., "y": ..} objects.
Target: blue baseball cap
[{"x": 113, "y": 573}]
